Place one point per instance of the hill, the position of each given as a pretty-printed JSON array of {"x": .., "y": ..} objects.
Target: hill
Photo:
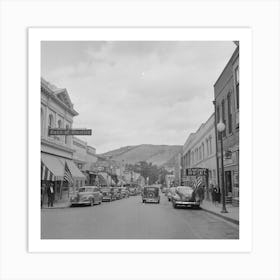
[{"x": 160, "y": 155}]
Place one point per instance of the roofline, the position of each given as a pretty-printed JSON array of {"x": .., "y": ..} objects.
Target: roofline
[
  {"x": 52, "y": 94},
  {"x": 235, "y": 51}
]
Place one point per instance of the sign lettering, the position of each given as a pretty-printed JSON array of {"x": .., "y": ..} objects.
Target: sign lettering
[{"x": 64, "y": 131}]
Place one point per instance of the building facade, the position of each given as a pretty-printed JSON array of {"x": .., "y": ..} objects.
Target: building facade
[
  {"x": 57, "y": 165},
  {"x": 226, "y": 91},
  {"x": 85, "y": 157},
  {"x": 199, "y": 151}
]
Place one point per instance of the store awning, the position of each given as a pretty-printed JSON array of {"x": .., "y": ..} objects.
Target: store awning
[
  {"x": 52, "y": 168},
  {"x": 102, "y": 177},
  {"x": 74, "y": 170}
]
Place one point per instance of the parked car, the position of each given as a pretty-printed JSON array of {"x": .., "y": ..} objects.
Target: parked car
[
  {"x": 88, "y": 195},
  {"x": 170, "y": 192},
  {"x": 106, "y": 193},
  {"x": 151, "y": 194},
  {"x": 186, "y": 196},
  {"x": 124, "y": 192},
  {"x": 116, "y": 193}
]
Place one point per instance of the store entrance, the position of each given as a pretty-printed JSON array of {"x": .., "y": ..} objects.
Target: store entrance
[{"x": 228, "y": 182}]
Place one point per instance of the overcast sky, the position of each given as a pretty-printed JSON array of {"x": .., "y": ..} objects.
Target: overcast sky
[{"x": 132, "y": 93}]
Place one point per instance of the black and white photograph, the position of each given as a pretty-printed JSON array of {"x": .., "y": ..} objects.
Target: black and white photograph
[{"x": 140, "y": 139}]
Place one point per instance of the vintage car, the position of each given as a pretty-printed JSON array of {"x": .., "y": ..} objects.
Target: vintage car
[
  {"x": 116, "y": 193},
  {"x": 150, "y": 194},
  {"x": 106, "y": 194},
  {"x": 88, "y": 195},
  {"x": 124, "y": 192},
  {"x": 170, "y": 192},
  {"x": 186, "y": 196}
]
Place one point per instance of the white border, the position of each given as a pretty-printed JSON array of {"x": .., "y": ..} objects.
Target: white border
[{"x": 36, "y": 35}]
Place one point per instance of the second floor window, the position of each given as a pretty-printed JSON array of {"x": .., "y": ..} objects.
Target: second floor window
[
  {"x": 223, "y": 117},
  {"x": 237, "y": 86},
  {"x": 229, "y": 113}
]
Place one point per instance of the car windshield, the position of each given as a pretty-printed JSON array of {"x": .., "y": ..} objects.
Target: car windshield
[
  {"x": 185, "y": 190},
  {"x": 151, "y": 189}
]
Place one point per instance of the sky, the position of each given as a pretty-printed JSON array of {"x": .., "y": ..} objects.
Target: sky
[{"x": 137, "y": 92}]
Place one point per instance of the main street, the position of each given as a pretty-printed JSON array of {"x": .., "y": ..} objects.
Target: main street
[{"x": 130, "y": 218}]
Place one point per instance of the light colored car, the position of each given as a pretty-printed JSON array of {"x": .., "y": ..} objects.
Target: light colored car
[
  {"x": 186, "y": 196},
  {"x": 88, "y": 195}
]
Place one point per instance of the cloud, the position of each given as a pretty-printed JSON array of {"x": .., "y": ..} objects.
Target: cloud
[{"x": 137, "y": 92}]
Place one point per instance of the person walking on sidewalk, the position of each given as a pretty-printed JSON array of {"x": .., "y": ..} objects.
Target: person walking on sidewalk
[
  {"x": 50, "y": 195},
  {"x": 215, "y": 195}
]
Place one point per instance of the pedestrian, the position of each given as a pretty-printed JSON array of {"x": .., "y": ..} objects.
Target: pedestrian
[
  {"x": 42, "y": 194},
  {"x": 215, "y": 195},
  {"x": 218, "y": 195},
  {"x": 50, "y": 195}
]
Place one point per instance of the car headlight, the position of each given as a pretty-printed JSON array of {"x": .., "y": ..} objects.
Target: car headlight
[{"x": 176, "y": 197}]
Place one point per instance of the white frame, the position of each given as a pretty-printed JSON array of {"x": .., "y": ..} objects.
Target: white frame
[{"x": 36, "y": 35}]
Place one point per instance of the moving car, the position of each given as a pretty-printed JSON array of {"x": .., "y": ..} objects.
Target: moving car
[
  {"x": 151, "y": 194},
  {"x": 170, "y": 192},
  {"x": 88, "y": 195},
  {"x": 186, "y": 196},
  {"x": 107, "y": 194}
]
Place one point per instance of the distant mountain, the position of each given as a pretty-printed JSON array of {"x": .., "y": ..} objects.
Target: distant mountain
[{"x": 161, "y": 155}]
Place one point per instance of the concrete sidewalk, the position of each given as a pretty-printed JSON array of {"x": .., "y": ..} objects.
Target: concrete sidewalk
[
  {"x": 57, "y": 205},
  {"x": 231, "y": 216}
]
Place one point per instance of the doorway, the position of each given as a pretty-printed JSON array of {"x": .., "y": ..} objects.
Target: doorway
[{"x": 228, "y": 182}]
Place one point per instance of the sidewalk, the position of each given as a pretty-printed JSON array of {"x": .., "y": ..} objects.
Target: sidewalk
[
  {"x": 57, "y": 205},
  {"x": 231, "y": 216}
]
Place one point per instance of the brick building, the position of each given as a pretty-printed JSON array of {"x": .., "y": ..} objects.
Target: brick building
[{"x": 226, "y": 90}]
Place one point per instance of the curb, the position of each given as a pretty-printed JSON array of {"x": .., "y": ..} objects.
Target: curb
[
  {"x": 56, "y": 207},
  {"x": 234, "y": 221}
]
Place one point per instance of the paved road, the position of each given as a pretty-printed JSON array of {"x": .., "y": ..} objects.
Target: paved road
[{"x": 129, "y": 218}]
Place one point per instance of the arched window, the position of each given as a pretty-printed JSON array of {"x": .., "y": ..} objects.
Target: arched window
[
  {"x": 42, "y": 122},
  {"x": 59, "y": 124},
  {"x": 203, "y": 151},
  {"x": 50, "y": 121},
  {"x": 67, "y": 137}
]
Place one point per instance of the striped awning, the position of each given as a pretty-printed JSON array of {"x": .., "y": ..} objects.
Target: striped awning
[
  {"x": 74, "y": 170},
  {"x": 52, "y": 168}
]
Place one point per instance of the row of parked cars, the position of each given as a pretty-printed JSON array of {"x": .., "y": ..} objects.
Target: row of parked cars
[{"x": 90, "y": 195}]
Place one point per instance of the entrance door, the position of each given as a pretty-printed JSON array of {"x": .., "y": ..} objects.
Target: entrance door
[{"x": 228, "y": 183}]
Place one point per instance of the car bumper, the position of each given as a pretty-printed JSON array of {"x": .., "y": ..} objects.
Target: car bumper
[
  {"x": 79, "y": 202},
  {"x": 187, "y": 203},
  {"x": 150, "y": 200},
  {"x": 107, "y": 198}
]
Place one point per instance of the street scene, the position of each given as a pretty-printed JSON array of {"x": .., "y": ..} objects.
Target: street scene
[{"x": 140, "y": 140}]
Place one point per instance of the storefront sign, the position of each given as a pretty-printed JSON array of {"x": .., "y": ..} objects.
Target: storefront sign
[
  {"x": 196, "y": 172},
  {"x": 65, "y": 131}
]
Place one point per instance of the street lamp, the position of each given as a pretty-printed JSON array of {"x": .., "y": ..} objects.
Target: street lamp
[{"x": 221, "y": 127}]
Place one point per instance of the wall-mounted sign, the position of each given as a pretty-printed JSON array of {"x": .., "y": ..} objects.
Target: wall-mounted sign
[
  {"x": 65, "y": 131},
  {"x": 196, "y": 172}
]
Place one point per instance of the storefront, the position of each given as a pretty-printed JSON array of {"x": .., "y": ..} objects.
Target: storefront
[{"x": 62, "y": 174}]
